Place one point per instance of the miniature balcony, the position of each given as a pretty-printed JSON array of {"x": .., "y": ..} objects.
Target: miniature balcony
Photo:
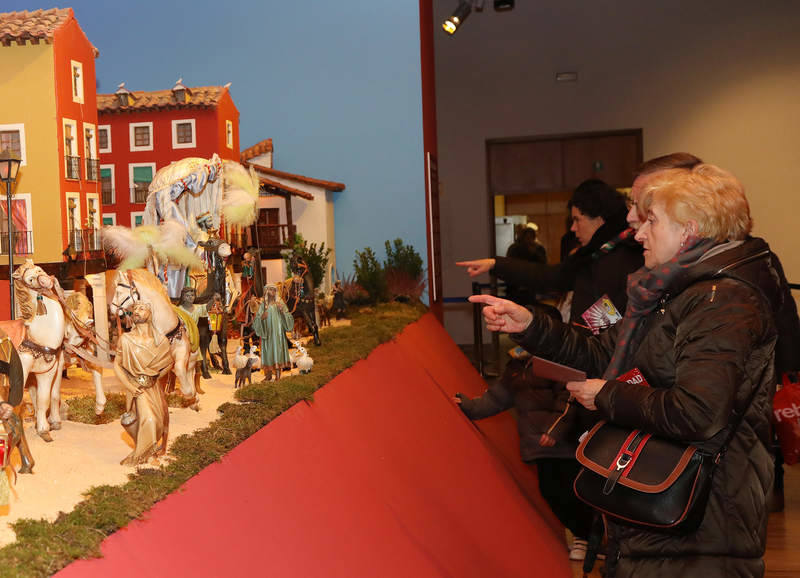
[
  {"x": 92, "y": 170},
  {"x": 73, "y": 168},
  {"x": 23, "y": 243}
]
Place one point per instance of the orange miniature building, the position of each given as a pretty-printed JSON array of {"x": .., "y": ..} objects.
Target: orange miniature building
[{"x": 48, "y": 118}]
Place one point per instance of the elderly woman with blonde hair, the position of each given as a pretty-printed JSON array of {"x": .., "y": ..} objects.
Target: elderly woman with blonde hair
[{"x": 699, "y": 326}]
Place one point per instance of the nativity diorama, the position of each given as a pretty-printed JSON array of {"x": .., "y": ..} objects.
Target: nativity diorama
[
  {"x": 193, "y": 321},
  {"x": 175, "y": 306}
]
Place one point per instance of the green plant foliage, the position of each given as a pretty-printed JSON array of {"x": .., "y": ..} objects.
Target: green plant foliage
[
  {"x": 403, "y": 258},
  {"x": 42, "y": 548},
  {"x": 354, "y": 294},
  {"x": 315, "y": 257},
  {"x": 404, "y": 277},
  {"x": 370, "y": 275}
]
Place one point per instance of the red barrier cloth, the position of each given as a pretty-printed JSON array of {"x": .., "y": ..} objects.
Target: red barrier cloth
[{"x": 380, "y": 476}]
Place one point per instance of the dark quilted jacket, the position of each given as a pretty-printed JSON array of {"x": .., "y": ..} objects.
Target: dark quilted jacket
[{"x": 708, "y": 346}]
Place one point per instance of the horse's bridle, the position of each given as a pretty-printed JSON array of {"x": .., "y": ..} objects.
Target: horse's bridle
[{"x": 133, "y": 295}]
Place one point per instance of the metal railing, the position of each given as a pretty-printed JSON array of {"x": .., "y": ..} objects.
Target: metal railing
[
  {"x": 108, "y": 196},
  {"x": 23, "y": 243},
  {"x": 92, "y": 170},
  {"x": 73, "y": 167},
  {"x": 274, "y": 236},
  {"x": 86, "y": 239},
  {"x": 139, "y": 192}
]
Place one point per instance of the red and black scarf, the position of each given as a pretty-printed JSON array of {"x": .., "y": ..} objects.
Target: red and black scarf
[{"x": 646, "y": 288}]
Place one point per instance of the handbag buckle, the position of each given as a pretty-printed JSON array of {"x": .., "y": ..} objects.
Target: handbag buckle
[{"x": 623, "y": 461}]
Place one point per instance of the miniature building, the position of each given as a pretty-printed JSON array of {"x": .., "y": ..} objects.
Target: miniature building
[
  {"x": 48, "y": 97},
  {"x": 288, "y": 204},
  {"x": 141, "y": 132}
]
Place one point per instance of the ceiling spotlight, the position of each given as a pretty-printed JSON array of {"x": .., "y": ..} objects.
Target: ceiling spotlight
[
  {"x": 459, "y": 15},
  {"x": 503, "y": 5}
]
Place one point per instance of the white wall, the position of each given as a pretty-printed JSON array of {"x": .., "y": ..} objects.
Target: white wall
[
  {"x": 313, "y": 219},
  {"x": 718, "y": 78}
]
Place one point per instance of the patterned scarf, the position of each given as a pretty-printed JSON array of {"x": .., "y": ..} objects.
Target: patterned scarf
[
  {"x": 609, "y": 245},
  {"x": 646, "y": 288}
]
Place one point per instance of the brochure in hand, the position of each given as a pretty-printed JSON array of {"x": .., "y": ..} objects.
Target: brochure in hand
[{"x": 555, "y": 371}]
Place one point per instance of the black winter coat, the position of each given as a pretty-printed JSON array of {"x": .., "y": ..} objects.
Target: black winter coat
[
  {"x": 708, "y": 345},
  {"x": 590, "y": 272},
  {"x": 538, "y": 403}
]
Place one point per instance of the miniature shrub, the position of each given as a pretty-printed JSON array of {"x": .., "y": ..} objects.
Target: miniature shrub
[
  {"x": 354, "y": 294},
  {"x": 315, "y": 257},
  {"x": 403, "y": 266},
  {"x": 403, "y": 258},
  {"x": 370, "y": 275}
]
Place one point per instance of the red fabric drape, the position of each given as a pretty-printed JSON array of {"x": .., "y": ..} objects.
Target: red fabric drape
[
  {"x": 19, "y": 217},
  {"x": 381, "y": 475}
]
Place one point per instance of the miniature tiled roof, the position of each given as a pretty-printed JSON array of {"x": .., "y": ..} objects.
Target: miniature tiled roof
[
  {"x": 260, "y": 148},
  {"x": 196, "y": 97},
  {"x": 33, "y": 27},
  {"x": 291, "y": 190},
  {"x": 327, "y": 185}
]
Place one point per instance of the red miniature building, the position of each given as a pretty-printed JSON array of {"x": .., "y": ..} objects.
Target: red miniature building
[{"x": 141, "y": 132}]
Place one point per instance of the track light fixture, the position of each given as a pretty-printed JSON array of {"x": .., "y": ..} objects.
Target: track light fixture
[
  {"x": 503, "y": 5},
  {"x": 459, "y": 15},
  {"x": 465, "y": 7}
]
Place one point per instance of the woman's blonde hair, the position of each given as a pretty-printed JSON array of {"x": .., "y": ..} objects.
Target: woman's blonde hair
[{"x": 706, "y": 194}]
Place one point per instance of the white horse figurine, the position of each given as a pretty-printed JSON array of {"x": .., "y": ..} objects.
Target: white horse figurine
[
  {"x": 140, "y": 284},
  {"x": 41, "y": 350}
]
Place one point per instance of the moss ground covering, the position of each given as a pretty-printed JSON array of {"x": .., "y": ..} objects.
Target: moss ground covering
[{"x": 44, "y": 547}]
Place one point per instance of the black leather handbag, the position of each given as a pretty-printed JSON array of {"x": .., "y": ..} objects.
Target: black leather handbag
[{"x": 642, "y": 480}]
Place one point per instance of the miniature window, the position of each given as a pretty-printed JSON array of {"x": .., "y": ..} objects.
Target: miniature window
[
  {"x": 71, "y": 150},
  {"x": 109, "y": 219},
  {"x": 12, "y": 140},
  {"x": 107, "y": 184},
  {"x": 90, "y": 149},
  {"x": 229, "y": 134},
  {"x": 74, "y": 220},
  {"x": 141, "y": 136},
  {"x": 77, "y": 81},
  {"x": 140, "y": 177},
  {"x": 183, "y": 133},
  {"x": 104, "y": 138},
  {"x": 22, "y": 222}
]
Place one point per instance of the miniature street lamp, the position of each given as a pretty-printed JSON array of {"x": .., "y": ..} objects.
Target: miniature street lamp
[{"x": 9, "y": 166}]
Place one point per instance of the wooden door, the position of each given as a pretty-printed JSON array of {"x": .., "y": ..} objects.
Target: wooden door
[
  {"x": 536, "y": 175},
  {"x": 269, "y": 234}
]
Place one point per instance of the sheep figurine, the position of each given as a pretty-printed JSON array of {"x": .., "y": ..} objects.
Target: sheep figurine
[{"x": 301, "y": 358}]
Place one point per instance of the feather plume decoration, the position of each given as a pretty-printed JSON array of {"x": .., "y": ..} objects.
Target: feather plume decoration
[
  {"x": 240, "y": 195},
  {"x": 133, "y": 246},
  {"x": 238, "y": 208},
  {"x": 171, "y": 245},
  {"x": 125, "y": 244}
]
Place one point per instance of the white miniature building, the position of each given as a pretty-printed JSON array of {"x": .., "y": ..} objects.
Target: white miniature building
[{"x": 289, "y": 203}]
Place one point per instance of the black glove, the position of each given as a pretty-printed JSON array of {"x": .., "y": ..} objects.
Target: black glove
[{"x": 465, "y": 405}]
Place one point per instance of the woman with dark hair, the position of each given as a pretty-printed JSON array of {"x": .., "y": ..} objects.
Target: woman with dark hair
[
  {"x": 700, "y": 329},
  {"x": 596, "y": 273},
  {"x": 608, "y": 253}
]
